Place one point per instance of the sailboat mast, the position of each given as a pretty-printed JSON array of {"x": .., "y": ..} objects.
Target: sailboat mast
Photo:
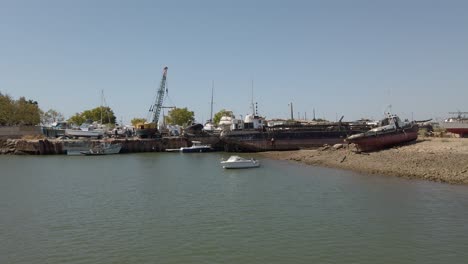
[
  {"x": 102, "y": 99},
  {"x": 211, "y": 111}
]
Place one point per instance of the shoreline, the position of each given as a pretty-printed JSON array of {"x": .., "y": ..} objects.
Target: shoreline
[{"x": 434, "y": 159}]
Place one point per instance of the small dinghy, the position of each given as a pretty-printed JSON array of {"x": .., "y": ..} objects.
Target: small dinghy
[{"x": 236, "y": 162}]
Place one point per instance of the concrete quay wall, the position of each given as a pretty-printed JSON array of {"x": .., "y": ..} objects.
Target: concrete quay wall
[
  {"x": 53, "y": 147},
  {"x": 19, "y": 131}
]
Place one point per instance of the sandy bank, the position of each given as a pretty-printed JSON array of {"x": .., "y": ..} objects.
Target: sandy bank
[{"x": 435, "y": 159}]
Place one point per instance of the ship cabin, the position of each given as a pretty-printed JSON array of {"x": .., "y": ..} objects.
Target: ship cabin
[
  {"x": 249, "y": 122},
  {"x": 392, "y": 120}
]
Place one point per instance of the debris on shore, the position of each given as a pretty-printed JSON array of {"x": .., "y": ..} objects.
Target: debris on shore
[{"x": 435, "y": 159}]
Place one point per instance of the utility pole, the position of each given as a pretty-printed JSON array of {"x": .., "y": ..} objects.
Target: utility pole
[{"x": 314, "y": 114}]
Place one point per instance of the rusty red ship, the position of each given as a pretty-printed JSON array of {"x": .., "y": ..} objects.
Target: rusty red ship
[{"x": 391, "y": 132}]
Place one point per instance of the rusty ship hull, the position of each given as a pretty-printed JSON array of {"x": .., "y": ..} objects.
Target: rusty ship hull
[
  {"x": 287, "y": 137},
  {"x": 376, "y": 141}
]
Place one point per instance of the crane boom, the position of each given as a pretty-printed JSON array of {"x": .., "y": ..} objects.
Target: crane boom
[{"x": 159, "y": 98}]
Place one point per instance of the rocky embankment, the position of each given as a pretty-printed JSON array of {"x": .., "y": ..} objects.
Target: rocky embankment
[
  {"x": 7, "y": 146},
  {"x": 435, "y": 159},
  {"x": 30, "y": 146}
]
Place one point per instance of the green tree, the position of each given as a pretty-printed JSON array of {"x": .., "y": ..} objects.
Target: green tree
[
  {"x": 18, "y": 112},
  {"x": 223, "y": 112},
  {"x": 137, "y": 120},
  {"x": 27, "y": 112},
  {"x": 180, "y": 116},
  {"x": 7, "y": 108},
  {"x": 97, "y": 114},
  {"x": 77, "y": 119}
]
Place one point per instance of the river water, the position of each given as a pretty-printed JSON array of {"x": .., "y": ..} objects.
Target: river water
[{"x": 184, "y": 208}]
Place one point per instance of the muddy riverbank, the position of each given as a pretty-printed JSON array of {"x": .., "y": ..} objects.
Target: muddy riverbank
[{"x": 435, "y": 159}]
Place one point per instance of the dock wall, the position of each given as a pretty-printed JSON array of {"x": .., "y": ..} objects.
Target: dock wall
[
  {"x": 53, "y": 146},
  {"x": 19, "y": 131}
]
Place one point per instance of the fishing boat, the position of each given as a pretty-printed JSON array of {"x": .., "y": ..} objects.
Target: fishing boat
[
  {"x": 392, "y": 131},
  {"x": 104, "y": 148},
  {"x": 236, "y": 162}
]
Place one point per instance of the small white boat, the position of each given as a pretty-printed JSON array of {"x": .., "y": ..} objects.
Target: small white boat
[
  {"x": 196, "y": 147},
  {"x": 103, "y": 149},
  {"x": 236, "y": 162}
]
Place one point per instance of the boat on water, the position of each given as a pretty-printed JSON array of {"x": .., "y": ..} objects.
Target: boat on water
[
  {"x": 391, "y": 132},
  {"x": 457, "y": 125},
  {"x": 104, "y": 148},
  {"x": 196, "y": 147},
  {"x": 236, "y": 162}
]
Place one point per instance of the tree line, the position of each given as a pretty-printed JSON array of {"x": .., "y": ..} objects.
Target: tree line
[
  {"x": 18, "y": 112},
  {"x": 27, "y": 112}
]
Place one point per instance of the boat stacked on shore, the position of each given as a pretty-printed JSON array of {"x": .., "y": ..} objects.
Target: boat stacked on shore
[
  {"x": 457, "y": 125},
  {"x": 253, "y": 134},
  {"x": 86, "y": 130},
  {"x": 391, "y": 131}
]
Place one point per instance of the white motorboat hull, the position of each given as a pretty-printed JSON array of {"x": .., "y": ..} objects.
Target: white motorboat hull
[
  {"x": 240, "y": 164},
  {"x": 106, "y": 150},
  {"x": 83, "y": 133}
]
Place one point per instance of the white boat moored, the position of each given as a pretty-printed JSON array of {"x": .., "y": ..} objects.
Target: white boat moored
[
  {"x": 103, "y": 149},
  {"x": 197, "y": 146},
  {"x": 236, "y": 162}
]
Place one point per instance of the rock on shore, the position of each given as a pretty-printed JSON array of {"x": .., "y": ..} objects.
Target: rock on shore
[{"x": 435, "y": 159}]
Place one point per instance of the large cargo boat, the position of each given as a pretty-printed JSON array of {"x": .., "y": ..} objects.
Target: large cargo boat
[
  {"x": 457, "y": 125},
  {"x": 253, "y": 135},
  {"x": 392, "y": 131}
]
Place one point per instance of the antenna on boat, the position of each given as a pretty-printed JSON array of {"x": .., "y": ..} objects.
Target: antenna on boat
[
  {"x": 251, "y": 99},
  {"x": 389, "y": 108}
]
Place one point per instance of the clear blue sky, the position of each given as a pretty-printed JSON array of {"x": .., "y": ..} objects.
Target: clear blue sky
[{"x": 350, "y": 58}]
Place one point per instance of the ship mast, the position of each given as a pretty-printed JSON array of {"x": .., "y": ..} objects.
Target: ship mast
[
  {"x": 211, "y": 110},
  {"x": 102, "y": 102}
]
